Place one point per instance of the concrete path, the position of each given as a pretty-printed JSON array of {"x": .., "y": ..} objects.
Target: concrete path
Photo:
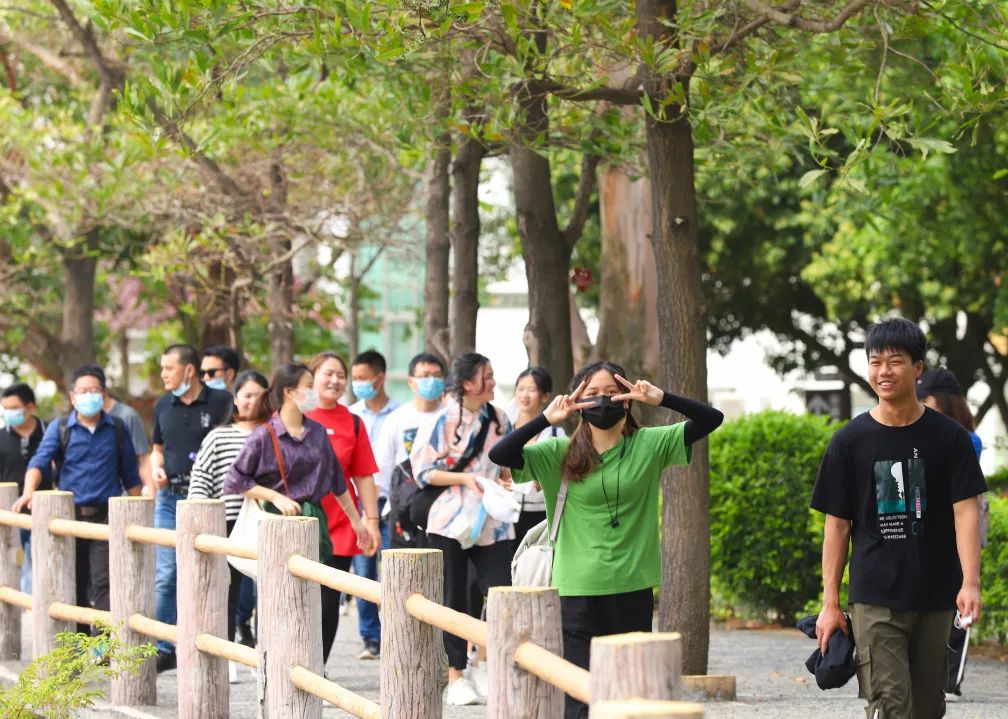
[{"x": 769, "y": 666}]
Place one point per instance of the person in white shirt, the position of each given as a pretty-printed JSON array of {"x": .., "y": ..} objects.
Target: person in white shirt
[
  {"x": 533, "y": 392},
  {"x": 406, "y": 424}
]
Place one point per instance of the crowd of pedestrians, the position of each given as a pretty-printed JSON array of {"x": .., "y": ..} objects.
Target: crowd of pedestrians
[{"x": 455, "y": 470}]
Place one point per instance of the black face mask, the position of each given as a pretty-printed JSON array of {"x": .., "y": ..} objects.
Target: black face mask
[{"x": 605, "y": 413}]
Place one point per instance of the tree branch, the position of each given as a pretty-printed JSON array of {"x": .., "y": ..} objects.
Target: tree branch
[
  {"x": 614, "y": 95},
  {"x": 738, "y": 34},
  {"x": 48, "y": 58},
  {"x": 582, "y": 199},
  {"x": 780, "y": 17}
]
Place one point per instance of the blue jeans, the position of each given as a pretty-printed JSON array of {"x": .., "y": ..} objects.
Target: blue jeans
[
  {"x": 166, "y": 575},
  {"x": 365, "y": 566},
  {"x": 26, "y": 567},
  {"x": 246, "y": 600}
]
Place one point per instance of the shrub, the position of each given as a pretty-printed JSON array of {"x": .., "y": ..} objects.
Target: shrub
[
  {"x": 765, "y": 542},
  {"x": 993, "y": 624}
]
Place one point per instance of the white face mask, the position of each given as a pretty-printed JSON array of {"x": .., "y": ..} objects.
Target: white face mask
[{"x": 308, "y": 401}]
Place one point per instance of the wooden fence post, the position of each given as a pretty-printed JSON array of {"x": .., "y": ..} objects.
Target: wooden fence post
[
  {"x": 412, "y": 652},
  {"x": 10, "y": 616},
  {"x": 516, "y": 615},
  {"x": 290, "y": 610},
  {"x": 131, "y": 582},
  {"x": 640, "y": 665},
  {"x": 646, "y": 709},
  {"x": 202, "y": 608},
  {"x": 54, "y": 568}
]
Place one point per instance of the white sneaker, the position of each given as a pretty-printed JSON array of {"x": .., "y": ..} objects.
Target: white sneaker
[
  {"x": 477, "y": 674},
  {"x": 232, "y": 673},
  {"x": 460, "y": 692}
]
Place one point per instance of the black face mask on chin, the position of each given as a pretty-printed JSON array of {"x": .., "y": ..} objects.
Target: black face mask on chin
[{"x": 605, "y": 413}]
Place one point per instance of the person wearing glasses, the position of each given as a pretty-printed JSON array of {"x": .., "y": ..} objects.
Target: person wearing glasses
[{"x": 219, "y": 367}]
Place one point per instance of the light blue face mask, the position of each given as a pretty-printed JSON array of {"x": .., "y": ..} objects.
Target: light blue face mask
[
  {"x": 181, "y": 389},
  {"x": 14, "y": 417},
  {"x": 364, "y": 390},
  {"x": 89, "y": 404},
  {"x": 430, "y": 388},
  {"x": 216, "y": 383}
]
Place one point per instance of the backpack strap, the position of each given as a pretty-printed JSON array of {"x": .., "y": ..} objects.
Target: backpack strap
[
  {"x": 356, "y": 426},
  {"x": 561, "y": 501},
  {"x": 279, "y": 455}
]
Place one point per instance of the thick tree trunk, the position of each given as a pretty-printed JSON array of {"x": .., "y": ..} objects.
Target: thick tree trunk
[
  {"x": 77, "y": 329},
  {"x": 628, "y": 309},
  {"x": 547, "y": 261},
  {"x": 280, "y": 301},
  {"x": 437, "y": 250},
  {"x": 213, "y": 307},
  {"x": 465, "y": 245},
  {"x": 682, "y": 330}
]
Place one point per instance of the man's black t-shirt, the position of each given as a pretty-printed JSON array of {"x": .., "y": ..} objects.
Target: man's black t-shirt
[
  {"x": 15, "y": 453},
  {"x": 181, "y": 427},
  {"x": 897, "y": 485}
]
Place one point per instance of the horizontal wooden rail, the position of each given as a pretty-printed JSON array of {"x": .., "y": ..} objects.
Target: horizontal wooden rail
[
  {"x": 149, "y": 535},
  {"x": 81, "y": 615},
  {"x": 553, "y": 669},
  {"x": 449, "y": 620},
  {"x": 351, "y": 584},
  {"x": 153, "y": 628},
  {"x": 78, "y": 529},
  {"x": 233, "y": 651},
  {"x": 333, "y": 693},
  {"x": 213, "y": 544},
  {"x": 639, "y": 708},
  {"x": 11, "y": 519},
  {"x": 10, "y": 595}
]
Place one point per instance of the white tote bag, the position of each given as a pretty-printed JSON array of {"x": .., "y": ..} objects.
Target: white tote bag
[
  {"x": 246, "y": 531},
  {"x": 532, "y": 565}
]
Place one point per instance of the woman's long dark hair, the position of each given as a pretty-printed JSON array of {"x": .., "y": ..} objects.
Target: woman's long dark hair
[
  {"x": 265, "y": 408},
  {"x": 287, "y": 377},
  {"x": 954, "y": 405},
  {"x": 463, "y": 369},
  {"x": 581, "y": 458}
]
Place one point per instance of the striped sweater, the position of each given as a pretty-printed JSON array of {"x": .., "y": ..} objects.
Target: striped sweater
[{"x": 214, "y": 459}]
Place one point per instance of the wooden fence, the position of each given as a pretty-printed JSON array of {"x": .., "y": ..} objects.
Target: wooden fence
[{"x": 633, "y": 675}]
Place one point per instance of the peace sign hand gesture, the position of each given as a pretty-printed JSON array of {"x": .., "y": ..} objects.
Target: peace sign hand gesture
[
  {"x": 640, "y": 391},
  {"x": 564, "y": 405}
]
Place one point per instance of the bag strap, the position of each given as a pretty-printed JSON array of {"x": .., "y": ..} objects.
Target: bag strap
[
  {"x": 475, "y": 449},
  {"x": 561, "y": 501},
  {"x": 279, "y": 455}
]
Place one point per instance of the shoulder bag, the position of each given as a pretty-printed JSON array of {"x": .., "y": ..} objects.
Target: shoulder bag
[{"x": 532, "y": 565}]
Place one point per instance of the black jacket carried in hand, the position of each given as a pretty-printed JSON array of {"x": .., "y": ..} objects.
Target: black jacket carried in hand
[{"x": 839, "y": 664}]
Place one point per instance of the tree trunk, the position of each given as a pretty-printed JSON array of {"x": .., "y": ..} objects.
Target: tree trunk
[
  {"x": 77, "y": 330},
  {"x": 547, "y": 262},
  {"x": 213, "y": 307},
  {"x": 437, "y": 250},
  {"x": 682, "y": 330},
  {"x": 280, "y": 301},
  {"x": 465, "y": 245}
]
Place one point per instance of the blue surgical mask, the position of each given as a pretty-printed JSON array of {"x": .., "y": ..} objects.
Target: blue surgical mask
[
  {"x": 14, "y": 417},
  {"x": 216, "y": 383},
  {"x": 89, "y": 404},
  {"x": 364, "y": 390},
  {"x": 182, "y": 388},
  {"x": 430, "y": 388}
]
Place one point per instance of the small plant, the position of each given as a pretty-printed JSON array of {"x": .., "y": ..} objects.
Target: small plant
[{"x": 59, "y": 683}]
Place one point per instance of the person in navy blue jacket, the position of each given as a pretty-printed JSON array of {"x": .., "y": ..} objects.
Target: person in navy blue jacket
[{"x": 94, "y": 454}]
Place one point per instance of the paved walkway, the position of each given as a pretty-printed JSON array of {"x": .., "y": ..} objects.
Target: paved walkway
[{"x": 769, "y": 666}]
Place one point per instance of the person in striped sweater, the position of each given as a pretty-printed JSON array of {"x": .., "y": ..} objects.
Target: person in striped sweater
[{"x": 216, "y": 455}]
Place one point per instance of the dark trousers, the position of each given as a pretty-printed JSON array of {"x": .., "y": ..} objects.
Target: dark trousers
[
  {"x": 526, "y": 520},
  {"x": 493, "y": 565},
  {"x": 331, "y": 607},
  {"x": 92, "y": 566},
  {"x": 596, "y": 616},
  {"x": 234, "y": 588}
]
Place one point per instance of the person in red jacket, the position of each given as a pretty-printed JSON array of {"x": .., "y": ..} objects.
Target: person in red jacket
[{"x": 350, "y": 442}]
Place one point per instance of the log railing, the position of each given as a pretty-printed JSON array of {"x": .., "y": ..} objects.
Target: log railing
[{"x": 633, "y": 675}]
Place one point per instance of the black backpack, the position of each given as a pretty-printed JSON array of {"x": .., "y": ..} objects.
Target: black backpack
[{"x": 63, "y": 428}]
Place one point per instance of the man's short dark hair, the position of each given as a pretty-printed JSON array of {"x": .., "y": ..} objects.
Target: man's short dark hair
[
  {"x": 426, "y": 358},
  {"x": 225, "y": 354},
  {"x": 897, "y": 334},
  {"x": 372, "y": 359},
  {"x": 88, "y": 370},
  {"x": 20, "y": 390},
  {"x": 186, "y": 354}
]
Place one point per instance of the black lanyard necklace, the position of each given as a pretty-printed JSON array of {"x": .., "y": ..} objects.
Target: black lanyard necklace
[{"x": 614, "y": 516}]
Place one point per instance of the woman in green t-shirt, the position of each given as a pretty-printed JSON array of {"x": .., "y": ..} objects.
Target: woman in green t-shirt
[{"x": 607, "y": 557}]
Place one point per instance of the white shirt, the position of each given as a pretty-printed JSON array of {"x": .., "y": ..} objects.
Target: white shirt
[{"x": 398, "y": 437}]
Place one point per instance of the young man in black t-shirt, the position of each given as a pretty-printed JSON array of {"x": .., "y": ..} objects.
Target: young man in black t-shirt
[{"x": 899, "y": 483}]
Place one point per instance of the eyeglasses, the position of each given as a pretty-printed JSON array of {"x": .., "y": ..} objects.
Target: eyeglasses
[{"x": 211, "y": 372}]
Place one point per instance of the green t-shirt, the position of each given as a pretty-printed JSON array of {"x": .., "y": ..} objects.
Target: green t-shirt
[{"x": 591, "y": 557}]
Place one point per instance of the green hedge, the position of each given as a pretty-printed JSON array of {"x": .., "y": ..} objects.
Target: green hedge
[
  {"x": 993, "y": 624},
  {"x": 766, "y": 543}
]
